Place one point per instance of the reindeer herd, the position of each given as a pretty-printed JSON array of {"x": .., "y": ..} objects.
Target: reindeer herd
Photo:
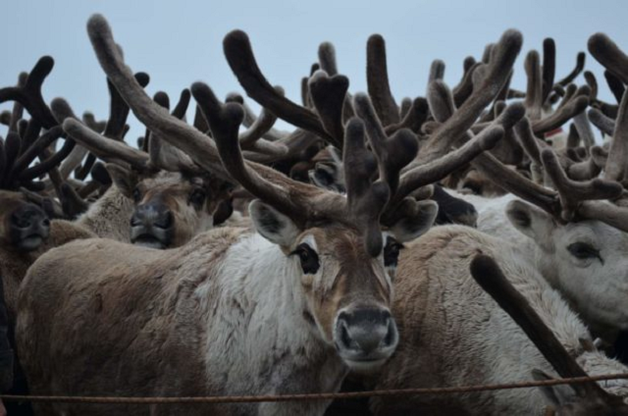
[{"x": 474, "y": 236}]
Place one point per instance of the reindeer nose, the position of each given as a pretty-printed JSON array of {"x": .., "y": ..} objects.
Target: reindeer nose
[
  {"x": 366, "y": 331},
  {"x": 152, "y": 215}
]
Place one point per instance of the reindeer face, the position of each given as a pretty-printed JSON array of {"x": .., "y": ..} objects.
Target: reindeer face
[
  {"x": 170, "y": 209},
  {"x": 23, "y": 225},
  {"x": 586, "y": 259},
  {"x": 347, "y": 291}
]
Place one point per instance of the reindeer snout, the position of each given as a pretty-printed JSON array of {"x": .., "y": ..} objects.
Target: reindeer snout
[
  {"x": 152, "y": 225},
  {"x": 365, "y": 337},
  {"x": 152, "y": 215},
  {"x": 29, "y": 227}
]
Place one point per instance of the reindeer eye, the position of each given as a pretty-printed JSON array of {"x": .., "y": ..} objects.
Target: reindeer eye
[
  {"x": 391, "y": 252},
  {"x": 197, "y": 198},
  {"x": 584, "y": 251},
  {"x": 308, "y": 258},
  {"x": 137, "y": 195}
]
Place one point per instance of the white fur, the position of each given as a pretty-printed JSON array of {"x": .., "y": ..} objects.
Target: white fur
[
  {"x": 260, "y": 278},
  {"x": 457, "y": 335},
  {"x": 598, "y": 292}
]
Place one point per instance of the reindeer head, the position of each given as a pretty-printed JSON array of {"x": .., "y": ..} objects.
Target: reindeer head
[
  {"x": 23, "y": 224},
  {"x": 171, "y": 207}
]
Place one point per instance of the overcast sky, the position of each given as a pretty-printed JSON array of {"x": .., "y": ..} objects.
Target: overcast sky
[{"x": 178, "y": 43}]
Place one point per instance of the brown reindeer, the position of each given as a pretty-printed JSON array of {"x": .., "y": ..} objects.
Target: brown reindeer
[{"x": 234, "y": 311}]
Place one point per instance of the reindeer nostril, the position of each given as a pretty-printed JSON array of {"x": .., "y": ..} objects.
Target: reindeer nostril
[
  {"x": 344, "y": 336},
  {"x": 391, "y": 334}
]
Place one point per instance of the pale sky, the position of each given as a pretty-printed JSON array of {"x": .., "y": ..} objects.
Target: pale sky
[{"x": 178, "y": 43}]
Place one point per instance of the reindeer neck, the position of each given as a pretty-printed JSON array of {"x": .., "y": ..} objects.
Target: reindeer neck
[{"x": 257, "y": 336}]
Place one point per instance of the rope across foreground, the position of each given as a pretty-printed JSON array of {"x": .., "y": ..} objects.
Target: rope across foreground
[{"x": 306, "y": 397}]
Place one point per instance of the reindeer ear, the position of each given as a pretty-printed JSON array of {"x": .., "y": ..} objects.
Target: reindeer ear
[
  {"x": 124, "y": 179},
  {"x": 273, "y": 225},
  {"x": 556, "y": 396},
  {"x": 533, "y": 222},
  {"x": 410, "y": 227}
]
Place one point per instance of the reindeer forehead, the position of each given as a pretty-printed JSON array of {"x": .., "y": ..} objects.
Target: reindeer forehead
[
  {"x": 170, "y": 182},
  {"x": 594, "y": 231},
  {"x": 338, "y": 240}
]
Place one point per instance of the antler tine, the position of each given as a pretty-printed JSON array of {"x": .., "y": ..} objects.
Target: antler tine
[
  {"x": 365, "y": 200},
  {"x": 437, "y": 169},
  {"x": 11, "y": 150},
  {"x": 18, "y": 109},
  {"x": 265, "y": 184},
  {"x": 328, "y": 95},
  {"x": 105, "y": 148},
  {"x": 491, "y": 279},
  {"x": 115, "y": 127},
  {"x": 572, "y": 193},
  {"x": 253, "y": 142},
  {"x": 5, "y": 118},
  {"x": 392, "y": 154},
  {"x": 163, "y": 155},
  {"x": 262, "y": 124},
  {"x": 62, "y": 110},
  {"x": 49, "y": 163},
  {"x": 273, "y": 134},
  {"x": 414, "y": 118},
  {"x": 617, "y": 87},
  {"x": 182, "y": 106},
  {"x": 3, "y": 160},
  {"x": 487, "y": 53},
  {"x": 327, "y": 58},
  {"x": 90, "y": 121},
  {"x": 580, "y": 60},
  {"x": 599, "y": 120},
  {"x": 534, "y": 92},
  {"x": 617, "y": 164},
  {"x": 607, "y": 53},
  {"x": 378, "y": 82},
  {"x": 239, "y": 54},
  {"x": 36, "y": 148},
  {"x": 118, "y": 108},
  {"x": 581, "y": 121},
  {"x": 157, "y": 119},
  {"x": 575, "y": 106},
  {"x": 497, "y": 72},
  {"x": 437, "y": 71},
  {"x": 30, "y": 96},
  {"x": 29, "y": 134},
  {"x": 404, "y": 108},
  {"x": 464, "y": 89},
  {"x": 162, "y": 99},
  {"x": 549, "y": 67},
  {"x": 589, "y": 77}
]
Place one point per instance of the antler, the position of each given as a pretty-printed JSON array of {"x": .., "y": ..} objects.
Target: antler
[
  {"x": 496, "y": 74},
  {"x": 29, "y": 94}
]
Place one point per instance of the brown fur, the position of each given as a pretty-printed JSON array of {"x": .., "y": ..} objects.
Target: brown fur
[{"x": 158, "y": 352}]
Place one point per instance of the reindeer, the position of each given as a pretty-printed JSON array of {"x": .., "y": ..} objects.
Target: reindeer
[
  {"x": 316, "y": 271},
  {"x": 452, "y": 334}
]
